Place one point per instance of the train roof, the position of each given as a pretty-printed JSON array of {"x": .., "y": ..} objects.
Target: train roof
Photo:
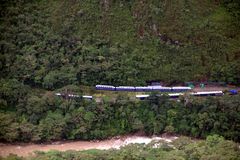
[
  {"x": 107, "y": 86},
  {"x": 209, "y": 92},
  {"x": 160, "y": 87},
  {"x": 181, "y": 87},
  {"x": 142, "y": 96},
  {"x": 87, "y": 96},
  {"x": 125, "y": 87},
  {"x": 196, "y": 93},
  {"x": 175, "y": 94}
]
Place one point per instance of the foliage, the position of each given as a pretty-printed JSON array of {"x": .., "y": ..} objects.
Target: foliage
[
  {"x": 57, "y": 43},
  {"x": 49, "y": 118},
  {"x": 60, "y": 45}
]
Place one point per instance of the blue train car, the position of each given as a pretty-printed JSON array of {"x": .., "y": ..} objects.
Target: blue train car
[
  {"x": 161, "y": 89},
  {"x": 233, "y": 92},
  {"x": 143, "y": 89},
  {"x": 105, "y": 87},
  {"x": 180, "y": 89},
  {"x": 125, "y": 88}
]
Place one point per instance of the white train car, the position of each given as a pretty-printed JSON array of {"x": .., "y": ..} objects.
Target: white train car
[
  {"x": 209, "y": 93},
  {"x": 177, "y": 95}
]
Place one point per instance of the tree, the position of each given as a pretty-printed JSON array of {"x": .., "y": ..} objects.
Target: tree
[
  {"x": 214, "y": 140},
  {"x": 52, "y": 127}
]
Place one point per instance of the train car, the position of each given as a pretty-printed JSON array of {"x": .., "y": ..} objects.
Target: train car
[
  {"x": 233, "y": 92},
  {"x": 88, "y": 97},
  {"x": 180, "y": 89},
  {"x": 161, "y": 89},
  {"x": 210, "y": 93},
  {"x": 73, "y": 96},
  {"x": 175, "y": 95},
  {"x": 64, "y": 95},
  {"x": 105, "y": 87},
  {"x": 58, "y": 94},
  {"x": 171, "y": 95},
  {"x": 142, "y": 97},
  {"x": 143, "y": 89},
  {"x": 125, "y": 88}
]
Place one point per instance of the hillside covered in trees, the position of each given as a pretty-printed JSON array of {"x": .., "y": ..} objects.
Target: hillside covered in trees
[
  {"x": 64, "y": 44},
  {"x": 50, "y": 44}
]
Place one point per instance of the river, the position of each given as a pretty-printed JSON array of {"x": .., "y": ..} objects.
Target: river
[{"x": 26, "y": 149}]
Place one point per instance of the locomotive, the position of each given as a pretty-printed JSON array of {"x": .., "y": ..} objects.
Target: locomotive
[{"x": 142, "y": 88}]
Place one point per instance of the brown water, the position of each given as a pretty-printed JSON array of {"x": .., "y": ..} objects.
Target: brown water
[{"x": 26, "y": 149}]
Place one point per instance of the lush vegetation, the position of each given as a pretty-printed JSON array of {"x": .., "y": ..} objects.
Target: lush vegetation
[
  {"x": 30, "y": 116},
  {"x": 50, "y": 44},
  {"x": 214, "y": 147},
  {"x": 62, "y": 44}
]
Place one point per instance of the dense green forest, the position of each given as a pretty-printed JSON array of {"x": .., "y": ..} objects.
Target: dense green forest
[
  {"x": 64, "y": 44},
  {"x": 50, "y": 44},
  {"x": 213, "y": 148},
  {"x": 46, "y": 117}
]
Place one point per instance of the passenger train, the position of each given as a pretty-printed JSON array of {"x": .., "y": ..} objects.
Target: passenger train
[
  {"x": 142, "y": 97},
  {"x": 64, "y": 95},
  {"x": 142, "y": 88},
  {"x": 177, "y": 95}
]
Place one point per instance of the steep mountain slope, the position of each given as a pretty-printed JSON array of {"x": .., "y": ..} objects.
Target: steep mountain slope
[
  {"x": 52, "y": 44},
  {"x": 69, "y": 45}
]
